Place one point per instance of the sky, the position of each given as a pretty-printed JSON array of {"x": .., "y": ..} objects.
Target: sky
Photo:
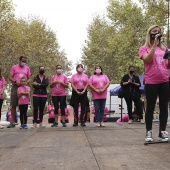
[{"x": 69, "y": 19}]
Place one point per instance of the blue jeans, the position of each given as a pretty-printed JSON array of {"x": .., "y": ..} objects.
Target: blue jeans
[{"x": 99, "y": 105}]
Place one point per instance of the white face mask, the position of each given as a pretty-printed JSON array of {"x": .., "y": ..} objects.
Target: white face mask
[
  {"x": 22, "y": 64},
  {"x": 58, "y": 71}
]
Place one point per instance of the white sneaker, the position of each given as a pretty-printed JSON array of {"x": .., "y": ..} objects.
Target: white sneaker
[
  {"x": 168, "y": 124},
  {"x": 130, "y": 121},
  {"x": 148, "y": 137},
  {"x": 142, "y": 121},
  {"x": 163, "y": 136}
]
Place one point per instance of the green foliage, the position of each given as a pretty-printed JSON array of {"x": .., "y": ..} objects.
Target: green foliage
[
  {"x": 113, "y": 41},
  {"x": 30, "y": 37}
]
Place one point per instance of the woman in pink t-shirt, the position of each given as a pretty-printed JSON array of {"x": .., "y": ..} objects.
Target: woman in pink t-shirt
[
  {"x": 59, "y": 83},
  {"x": 99, "y": 84},
  {"x": 2, "y": 88},
  {"x": 79, "y": 83},
  {"x": 156, "y": 80},
  {"x": 23, "y": 100}
]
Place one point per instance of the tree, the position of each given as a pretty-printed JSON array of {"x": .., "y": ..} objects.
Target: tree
[{"x": 114, "y": 40}]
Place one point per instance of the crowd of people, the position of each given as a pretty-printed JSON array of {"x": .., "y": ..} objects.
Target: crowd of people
[
  {"x": 156, "y": 81},
  {"x": 20, "y": 75}
]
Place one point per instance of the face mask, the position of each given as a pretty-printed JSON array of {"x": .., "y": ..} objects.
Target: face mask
[
  {"x": 22, "y": 64},
  {"x": 41, "y": 71},
  {"x": 153, "y": 36},
  {"x": 131, "y": 72},
  {"x": 98, "y": 70},
  {"x": 80, "y": 69},
  {"x": 58, "y": 71}
]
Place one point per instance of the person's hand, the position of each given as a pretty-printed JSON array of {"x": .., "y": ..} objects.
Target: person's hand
[
  {"x": 79, "y": 93},
  {"x": 156, "y": 41},
  {"x": 18, "y": 83}
]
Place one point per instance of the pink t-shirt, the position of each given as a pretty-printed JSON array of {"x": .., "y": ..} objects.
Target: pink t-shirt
[
  {"x": 125, "y": 118},
  {"x": 2, "y": 83},
  {"x": 18, "y": 72},
  {"x": 24, "y": 99},
  {"x": 99, "y": 82},
  {"x": 58, "y": 89},
  {"x": 156, "y": 71},
  {"x": 67, "y": 113},
  {"x": 51, "y": 113},
  {"x": 79, "y": 80}
]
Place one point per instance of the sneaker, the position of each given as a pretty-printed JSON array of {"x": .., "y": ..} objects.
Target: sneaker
[
  {"x": 21, "y": 126},
  {"x": 55, "y": 124},
  {"x": 141, "y": 121},
  {"x": 11, "y": 125},
  {"x": 75, "y": 124},
  {"x": 1, "y": 127},
  {"x": 148, "y": 137},
  {"x": 41, "y": 125},
  {"x": 168, "y": 124},
  {"x": 130, "y": 121},
  {"x": 34, "y": 125},
  {"x": 83, "y": 124},
  {"x": 163, "y": 135},
  {"x": 64, "y": 124},
  {"x": 25, "y": 126}
]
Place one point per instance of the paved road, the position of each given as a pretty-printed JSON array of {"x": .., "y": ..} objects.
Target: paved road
[{"x": 114, "y": 147}]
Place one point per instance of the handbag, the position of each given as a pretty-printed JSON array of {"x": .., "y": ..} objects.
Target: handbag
[{"x": 120, "y": 93}]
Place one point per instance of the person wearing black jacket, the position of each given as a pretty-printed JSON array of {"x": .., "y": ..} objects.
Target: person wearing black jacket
[
  {"x": 130, "y": 84},
  {"x": 40, "y": 83}
]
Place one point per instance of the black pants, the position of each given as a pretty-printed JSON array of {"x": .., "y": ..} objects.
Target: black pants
[
  {"x": 39, "y": 104},
  {"x": 23, "y": 113},
  {"x": 138, "y": 106},
  {"x": 62, "y": 100},
  {"x": 82, "y": 99},
  {"x": 1, "y": 101},
  {"x": 152, "y": 91}
]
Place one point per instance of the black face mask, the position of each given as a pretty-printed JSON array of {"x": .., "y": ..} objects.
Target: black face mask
[
  {"x": 131, "y": 72},
  {"x": 153, "y": 36},
  {"x": 41, "y": 71}
]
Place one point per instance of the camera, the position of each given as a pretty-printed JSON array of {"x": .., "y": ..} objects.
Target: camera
[{"x": 153, "y": 36}]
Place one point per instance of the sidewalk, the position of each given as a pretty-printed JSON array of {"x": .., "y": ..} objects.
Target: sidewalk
[{"x": 114, "y": 147}]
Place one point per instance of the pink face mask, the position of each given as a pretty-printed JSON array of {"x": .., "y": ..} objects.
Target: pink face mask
[
  {"x": 98, "y": 70},
  {"x": 80, "y": 69}
]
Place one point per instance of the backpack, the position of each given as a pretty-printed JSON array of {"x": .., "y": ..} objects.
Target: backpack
[{"x": 120, "y": 93}]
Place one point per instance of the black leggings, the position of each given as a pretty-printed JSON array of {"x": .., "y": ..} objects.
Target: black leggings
[
  {"x": 138, "y": 106},
  {"x": 152, "y": 91},
  {"x": 1, "y": 101},
  {"x": 79, "y": 99},
  {"x": 23, "y": 113},
  {"x": 39, "y": 105},
  {"x": 62, "y": 100}
]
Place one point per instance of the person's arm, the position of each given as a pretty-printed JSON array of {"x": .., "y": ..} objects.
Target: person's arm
[
  {"x": 105, "y": 87},
  {"x": 149, "y": 56},
  {"x": 35, "y": 84},
  {"x": 44, "y": 86},
  {"x": 136, "y": 82},
  {"x": 74, "y": 88},
  {"x": 12, "y": 79},
  {"x": 28, "y": 79},
  {"x": 125, "y": 81}
]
